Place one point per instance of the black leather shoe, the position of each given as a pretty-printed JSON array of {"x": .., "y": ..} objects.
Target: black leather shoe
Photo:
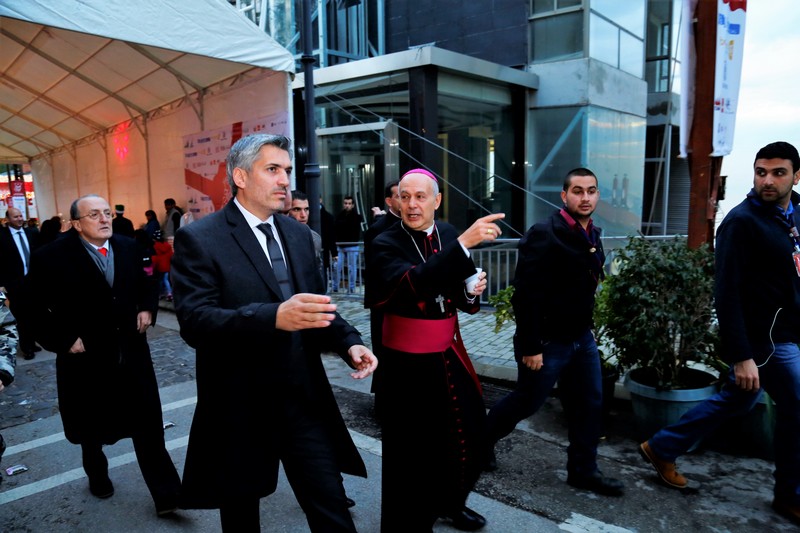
[
  {"x": 598, "y": 483},
  {"x": 350, "y": 502},
  {"x": 28, "y": 355},
  {"x": 467, "y": 520},
  {"x": 166, "y": 510},
  {"x": 101, "y": 488}
]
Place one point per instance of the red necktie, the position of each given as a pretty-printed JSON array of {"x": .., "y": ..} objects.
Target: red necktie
[{"x": 103, "y": 251}]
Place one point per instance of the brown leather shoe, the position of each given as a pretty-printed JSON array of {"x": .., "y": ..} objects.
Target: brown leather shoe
[
  {"x": 666, "y": 471},
  {"x": 792, "y": 512}
]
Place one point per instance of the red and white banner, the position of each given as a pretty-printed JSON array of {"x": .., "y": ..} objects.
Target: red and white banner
[{"x": 204, "y": 154}]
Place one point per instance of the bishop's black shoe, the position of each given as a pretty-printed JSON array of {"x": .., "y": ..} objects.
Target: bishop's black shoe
[{"x": 467, "y": 520}]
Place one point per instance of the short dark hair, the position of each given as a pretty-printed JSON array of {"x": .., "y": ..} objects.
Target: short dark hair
[
  {"x": 580, "y": 171},
  {"x": 779, "y": 150},
  {"x": 387, "y": 192},
  {"x": 299, "y": 195},
  {"x": 348, "y": 197},
  {"x": 169, "y": 201}
]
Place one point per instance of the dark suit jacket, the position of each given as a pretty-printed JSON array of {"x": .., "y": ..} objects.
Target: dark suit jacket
[
  {"x": 12, "y": 270},
  {"x": 122, "y": 226},
  {"x": 109, "y": 391},
  {"x": 226, "y": 300}
]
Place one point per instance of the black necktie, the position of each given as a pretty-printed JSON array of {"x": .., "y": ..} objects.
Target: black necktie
[
  {"x": 25, "y": 251},
  {"x": 278, "y": 264}
]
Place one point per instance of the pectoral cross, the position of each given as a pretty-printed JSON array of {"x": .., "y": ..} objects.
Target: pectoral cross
[{"x": 440, "y": 300}]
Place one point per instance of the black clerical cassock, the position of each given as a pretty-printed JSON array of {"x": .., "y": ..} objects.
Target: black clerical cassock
[{"x": 433, "y": 420}]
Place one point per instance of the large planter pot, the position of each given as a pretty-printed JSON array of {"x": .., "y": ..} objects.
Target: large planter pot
[
  {"x": 653, "y": 408},
  {"x": 751, "y": 434}
]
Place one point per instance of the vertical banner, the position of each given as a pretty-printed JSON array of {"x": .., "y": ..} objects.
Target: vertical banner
[
  {"x": 204, "y": 153},
  {"x": 730, "y": 47},
  {"x": 17, "y": 199}
]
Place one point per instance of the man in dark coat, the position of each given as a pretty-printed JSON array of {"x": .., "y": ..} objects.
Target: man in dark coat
[
  {"x": 560, "y": 264},
  {"x": 121, "y": 225},
  {"x": 16, "y": 245},
  {"x": 253, "y": 307},
  {"x": 381, "y": 224},
  {"x": 94, "y": 302},
  {"x": 433, "y": 416},
  {"x": 347, "y": 229}
]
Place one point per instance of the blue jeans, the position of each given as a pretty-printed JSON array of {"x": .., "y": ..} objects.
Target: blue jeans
[
  {"x": 164, "y": 286},
  {"x": 780, "y": 377},
  {"x": 349, "y": 254},
  {"x": 576, "y": 367}
]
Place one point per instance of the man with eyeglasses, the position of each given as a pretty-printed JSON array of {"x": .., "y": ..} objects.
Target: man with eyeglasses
[
  {"x": 93, "y": 302},
  {"x": 16, "y": 244}
]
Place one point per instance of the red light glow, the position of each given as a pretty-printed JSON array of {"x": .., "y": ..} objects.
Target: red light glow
[{"x": 121, "y": 146}]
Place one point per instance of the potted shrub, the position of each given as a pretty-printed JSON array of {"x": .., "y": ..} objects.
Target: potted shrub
[{"x": 659, "y": 324}]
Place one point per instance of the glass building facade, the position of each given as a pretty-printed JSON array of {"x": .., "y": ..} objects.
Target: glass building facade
[{"x": 605, "y": 98}]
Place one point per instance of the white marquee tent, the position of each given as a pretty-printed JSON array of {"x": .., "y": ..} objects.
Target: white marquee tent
[{"x": 97, "y": 94}]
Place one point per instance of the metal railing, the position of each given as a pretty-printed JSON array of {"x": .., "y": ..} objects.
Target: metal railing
[{"x": 498, "y": 261}]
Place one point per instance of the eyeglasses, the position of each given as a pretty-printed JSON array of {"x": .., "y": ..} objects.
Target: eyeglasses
[{"x": 95, "y": 215}]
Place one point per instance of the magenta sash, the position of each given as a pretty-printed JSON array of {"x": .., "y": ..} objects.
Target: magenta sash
[{"x": 418, "y": 335}]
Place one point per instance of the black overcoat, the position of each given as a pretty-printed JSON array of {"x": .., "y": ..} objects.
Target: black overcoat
[
  {"x": 109, "y": 391},
  {"x": 226, "y": 299}
]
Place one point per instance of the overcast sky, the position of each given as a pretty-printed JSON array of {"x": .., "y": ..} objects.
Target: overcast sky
[{"x": 769, "y": 97}]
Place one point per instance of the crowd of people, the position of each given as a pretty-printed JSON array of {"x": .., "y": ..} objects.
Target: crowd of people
[{"x": 261, "y": 289}]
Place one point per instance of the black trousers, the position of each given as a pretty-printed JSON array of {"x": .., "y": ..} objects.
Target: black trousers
[
  {"x": 158, "y": 471},
  {"x": 313, "y": 473}
]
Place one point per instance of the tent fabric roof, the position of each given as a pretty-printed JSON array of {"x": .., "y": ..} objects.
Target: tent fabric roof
[{"x": 73, "y": 68}]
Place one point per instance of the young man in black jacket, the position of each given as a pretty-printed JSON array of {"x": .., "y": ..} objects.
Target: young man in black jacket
[
  {"x": 560, "y": 263},
  {"x": 757, "y": 297}
]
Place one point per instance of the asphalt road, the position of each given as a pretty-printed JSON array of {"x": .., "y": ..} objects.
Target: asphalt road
[{"x": 527, "y": 493}]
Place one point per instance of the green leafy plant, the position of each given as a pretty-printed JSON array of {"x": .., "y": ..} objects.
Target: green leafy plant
[
  {"x": 657, "y": 312},
  {"x": 503, "y": 311}
]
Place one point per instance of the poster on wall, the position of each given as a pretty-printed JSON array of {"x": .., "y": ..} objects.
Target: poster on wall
[{"x": 204, "y": 154}]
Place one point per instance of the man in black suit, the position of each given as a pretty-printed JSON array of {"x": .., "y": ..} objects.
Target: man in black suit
[
  {"x": 16, "y": 245},
  {"x": 252, "y": 305},
  {"x": 93, "y": 303}
]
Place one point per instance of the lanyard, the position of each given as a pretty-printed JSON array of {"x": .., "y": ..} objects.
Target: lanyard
[{"x": 794, "y": 235}]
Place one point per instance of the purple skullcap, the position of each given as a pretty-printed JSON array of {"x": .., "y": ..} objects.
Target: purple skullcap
[{"x": 420, "y": 171}]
